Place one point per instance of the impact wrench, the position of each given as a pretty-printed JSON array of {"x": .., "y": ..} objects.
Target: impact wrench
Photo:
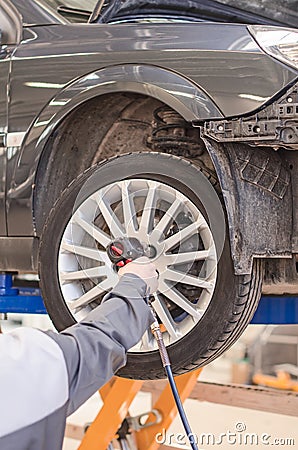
[{"x": 122, "y": 251}]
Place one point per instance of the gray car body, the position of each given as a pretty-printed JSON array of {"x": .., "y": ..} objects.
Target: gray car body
[{"x": 204, "y": 71}]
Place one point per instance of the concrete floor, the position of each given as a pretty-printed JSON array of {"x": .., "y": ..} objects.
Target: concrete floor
[{"x": 209, "y": 418}]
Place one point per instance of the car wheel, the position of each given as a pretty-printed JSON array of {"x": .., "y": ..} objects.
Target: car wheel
[{"x": 171, "y": 206}]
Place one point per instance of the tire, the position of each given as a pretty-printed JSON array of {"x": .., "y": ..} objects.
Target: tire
[{"x": 219, "y": 312}]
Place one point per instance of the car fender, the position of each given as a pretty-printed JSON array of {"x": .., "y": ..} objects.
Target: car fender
[{"x": 184, "y": 96}]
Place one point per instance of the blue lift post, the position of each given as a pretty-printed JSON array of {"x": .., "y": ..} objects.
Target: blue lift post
[
  {"x": 19, "y": 300},
  {"x": 277, "y": 310},
  {"x": 271, "y": 309}
]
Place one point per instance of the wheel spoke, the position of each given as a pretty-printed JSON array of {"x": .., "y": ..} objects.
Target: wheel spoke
[
  {"x": 182, "y": 235},
  {"x": 91, "y": 295},
  {"x": 146, "y": 222},
  {"x": 164, "y": 315},
  {"x": 180, "y": 277},
  {"x": 186, "y": 257},
  {"x": 88, "y": 252},
  {"x": 110, "y": 217},
  {"x": 92, "y": 272},
  {"x": 179, "y": 299},
  {"x": 129, "y": 211},
  {"x": 166, "y": 219},
  {"x": 99, "y": 235}
]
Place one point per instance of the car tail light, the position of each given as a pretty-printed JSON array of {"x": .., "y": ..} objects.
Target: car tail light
[{"x": 281, "y": 43}]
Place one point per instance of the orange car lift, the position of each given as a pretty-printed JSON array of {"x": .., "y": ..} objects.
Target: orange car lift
[{"x": 117, "y": 397}]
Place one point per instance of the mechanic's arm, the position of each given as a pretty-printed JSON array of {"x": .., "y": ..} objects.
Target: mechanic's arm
[
  {"x": 95, "y": 348},
  {"x": 44, "y": 373}
]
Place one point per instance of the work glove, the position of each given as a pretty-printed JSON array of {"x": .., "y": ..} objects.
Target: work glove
[{"x": 143, "y": 268}]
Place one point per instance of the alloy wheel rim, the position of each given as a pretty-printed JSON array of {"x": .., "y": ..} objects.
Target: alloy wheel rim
[{"x": 161, "y": 217}]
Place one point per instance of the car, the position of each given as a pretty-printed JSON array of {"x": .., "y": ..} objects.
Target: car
[{"x": 182, "y": 135}]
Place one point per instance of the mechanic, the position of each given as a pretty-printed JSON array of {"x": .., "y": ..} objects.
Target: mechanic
[{"x": 46, "y": 376}]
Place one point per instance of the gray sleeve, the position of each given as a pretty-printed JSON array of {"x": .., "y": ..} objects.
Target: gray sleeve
[{"x": 95, "y": 348}]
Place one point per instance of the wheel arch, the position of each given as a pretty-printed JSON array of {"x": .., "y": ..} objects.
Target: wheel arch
[
  {"x": 168, "y": 87},
  {"x": 171, "y": 88}
]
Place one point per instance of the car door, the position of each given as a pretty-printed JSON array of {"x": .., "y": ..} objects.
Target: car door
[{"x": 10, "y": 32}]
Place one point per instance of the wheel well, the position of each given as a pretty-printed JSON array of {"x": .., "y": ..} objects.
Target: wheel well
[
  {"x": 105, "y": 126},
  {"x": 119, "y": 123}
]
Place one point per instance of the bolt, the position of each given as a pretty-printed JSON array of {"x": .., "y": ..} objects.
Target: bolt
[
  {"x": 220, "y": 128},
  {"x": 290, "y": 100}
]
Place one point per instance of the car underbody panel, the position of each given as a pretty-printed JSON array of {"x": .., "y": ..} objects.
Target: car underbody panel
[
  {"x": 273, "y": 126},
  {"x": 264, "y": 147}
]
